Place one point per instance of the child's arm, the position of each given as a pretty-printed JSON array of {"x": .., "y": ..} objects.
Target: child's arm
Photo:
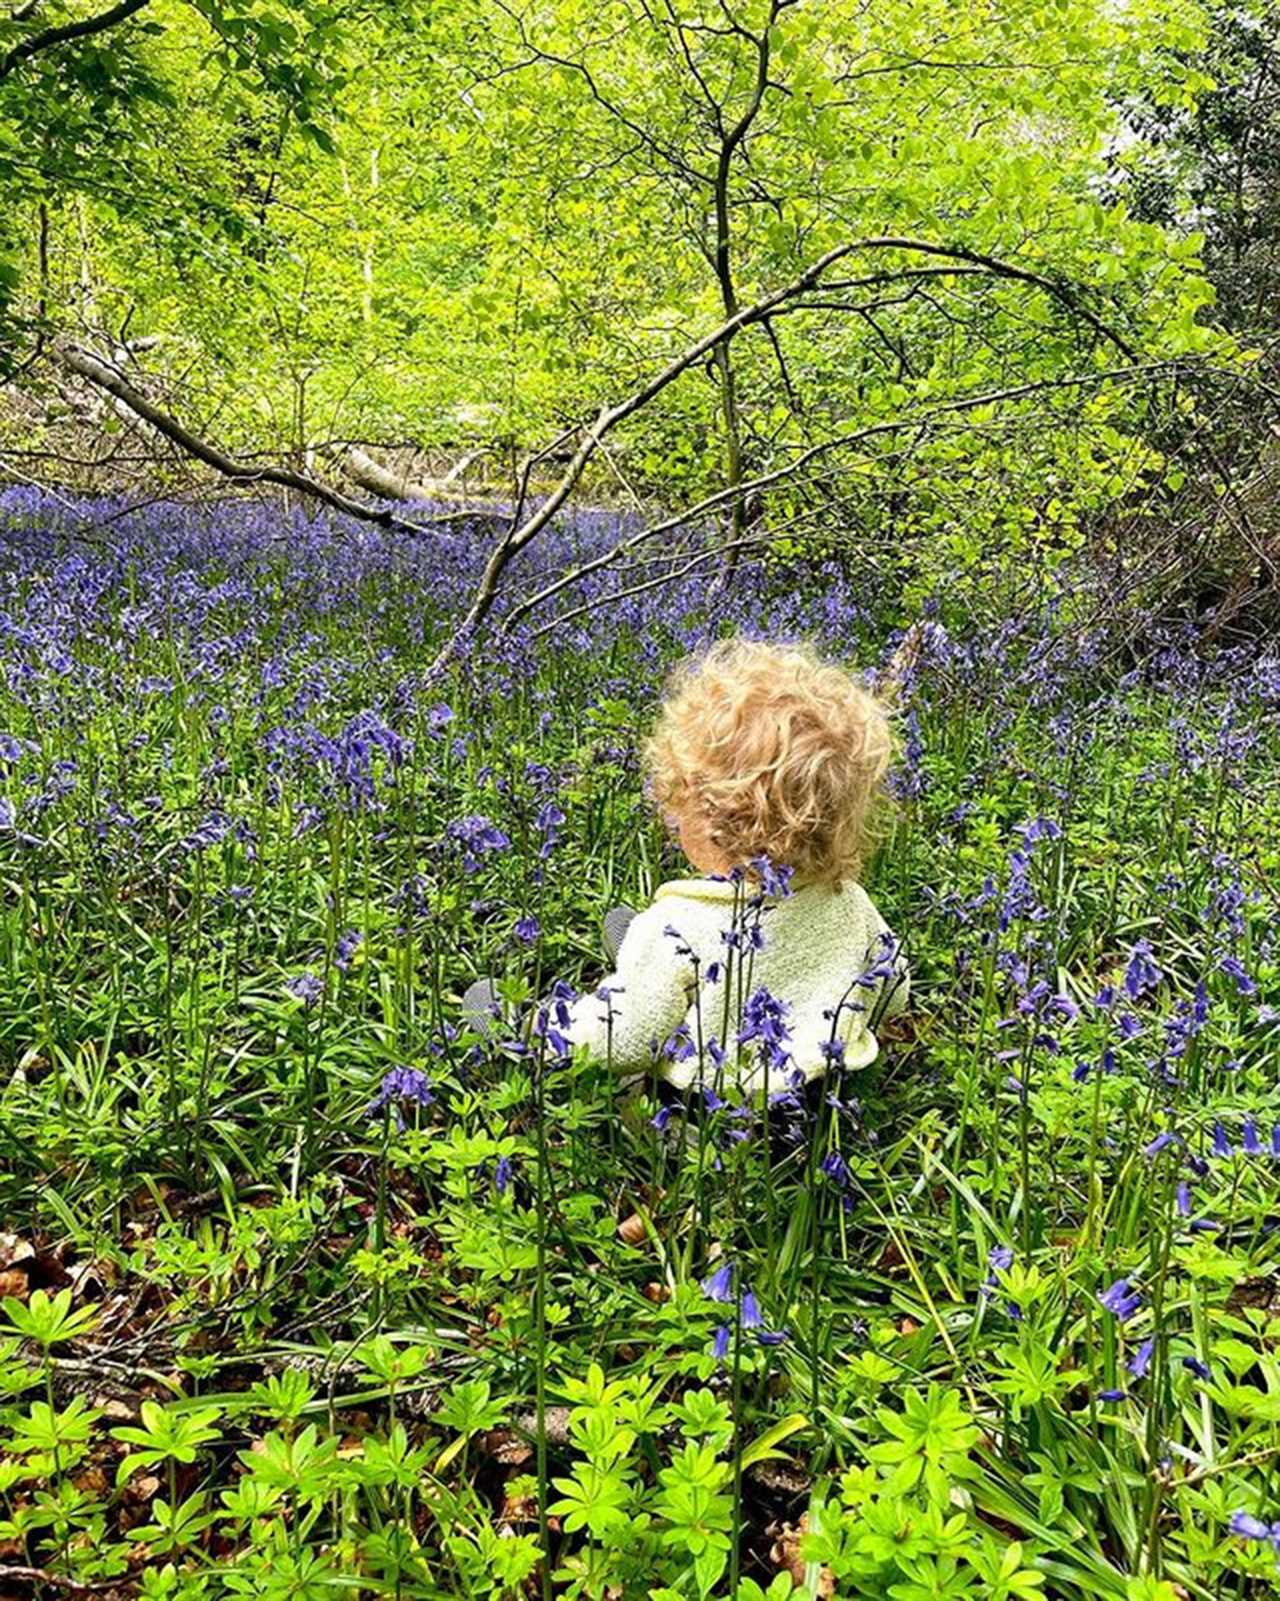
[{"x": 649, "y": 994}]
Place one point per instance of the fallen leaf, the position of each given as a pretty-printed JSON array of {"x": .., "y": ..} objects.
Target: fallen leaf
[
  {"x": 785, "y": 1556},
  {"x": 632, "y": 1231},
  {"x": 505, "y": 1447},
  {"x": 655, "y": 1292},
  {"x": 14, "y": 1249}
]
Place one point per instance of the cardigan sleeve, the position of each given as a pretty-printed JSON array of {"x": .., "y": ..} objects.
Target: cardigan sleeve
[{"x": 639, "y": 1004}]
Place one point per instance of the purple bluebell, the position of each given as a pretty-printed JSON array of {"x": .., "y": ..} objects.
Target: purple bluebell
[
  {"x": 1182, "y": 1198},
  {"x": 548, "y": 824},
  {"x": 1248, "y": 1527},
  {"x": 1249, "y": 1142},
  {"x": 764, "y": 1025},
  {"x": 836, "y": 1169},
  {"x": 401, "y": 1084},
  {"x": 1140, "y": 1361},
  {"x": 751, "y": 1318},
  {"x": 305, "y": 987},
  {"x": 1221, "y": 1144},
  {"x": 1141, "y": 973},
  {"x": 1160, "y": 1143},
  {"x": 718, "y": 1286},
  {"x": 476, "y": 837},
  {"x": 720, "y": 1343},
  {"x": 1113, "y": 1395},
  {"x": 1234, "y": 968},
  {"x": 502, "y": 1174},
  {"x": 771, "y": 1336},
  {"x": 1193, "y": 1364},
  {"x": 1120, "y": 1300},
  {"x": 774, "y": 878},
  {"x": 527, "y": 929}
]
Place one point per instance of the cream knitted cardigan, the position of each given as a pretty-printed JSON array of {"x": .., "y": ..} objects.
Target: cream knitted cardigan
[{"x": 816, "y": 943}]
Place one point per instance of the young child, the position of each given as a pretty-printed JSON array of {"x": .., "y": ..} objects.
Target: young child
[
  {"x": 763, "y": 759},
  {"x": 762, "y": 754}
]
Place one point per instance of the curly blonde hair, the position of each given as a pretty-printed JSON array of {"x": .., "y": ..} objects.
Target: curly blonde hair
[{"x": 772, "y": 752}]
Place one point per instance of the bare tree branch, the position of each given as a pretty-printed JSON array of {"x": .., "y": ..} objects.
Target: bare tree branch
[
  {"x": 107, "y": 378},
  {"x": 520, "y": 533},
  {"x": 839, "y": 442},
  {"x": 39, "y": 42}
]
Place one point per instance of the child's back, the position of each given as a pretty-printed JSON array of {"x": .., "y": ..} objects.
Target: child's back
[
  {"x": 814, "y": 946},
  {"x": 762, "y": 755}
]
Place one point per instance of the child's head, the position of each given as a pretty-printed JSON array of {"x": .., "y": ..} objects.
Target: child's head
[{"x": 765, "y": 750}]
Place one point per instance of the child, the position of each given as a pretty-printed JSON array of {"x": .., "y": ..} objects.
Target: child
[{"x": 762, "y": 755}]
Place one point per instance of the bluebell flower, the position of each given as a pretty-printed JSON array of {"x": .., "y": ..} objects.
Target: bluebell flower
[
  {"x": 833, "y": 1052},
  {"x": 548, "y": 824},
  {"x": 836, "y": 1169},
  {"x": 1203, "y": 1225},
  {"x": 502, "y": 1174},
  {"x": 1140, "y": 1361},
  {"x": 401, "y": 1084},
  {"x": 1250, "y": 1528},
  {"x": 1141, "y": 974},
  {"x": 719, "y": 1285},
  {"x": 1193, "y": 1364},
  {"x": 527, "y": 929},
  {"x": 764, "y": 1024},
  {"x": 1250, "y": 1143},
  {"x": 720, "y": 1343},
  {"x": 1160, "y": 1143},
  {"x": 1000, "y": 1257},
  {"x": 1120, "y": 1301},
  {"x": 305, "y": 987},
  {"x": 1039, "y": 828},
  {"x": 662, "y": 1117},
  {"x": 1113, "y": 1395},
  {"x": 771, "y": 1336},
  {"x": 774, "y": 878},
  {"x": 1275, "y": 1139},
  {"x": 1221, "y": 1144},
  {"x": 476, "y": 837},
  {"x": 751, "y": 1318},
  {"x": 1235, "y": 968},
  {"x": 1182, "y": 1197},
  {"x": 345, "y": 948}
]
